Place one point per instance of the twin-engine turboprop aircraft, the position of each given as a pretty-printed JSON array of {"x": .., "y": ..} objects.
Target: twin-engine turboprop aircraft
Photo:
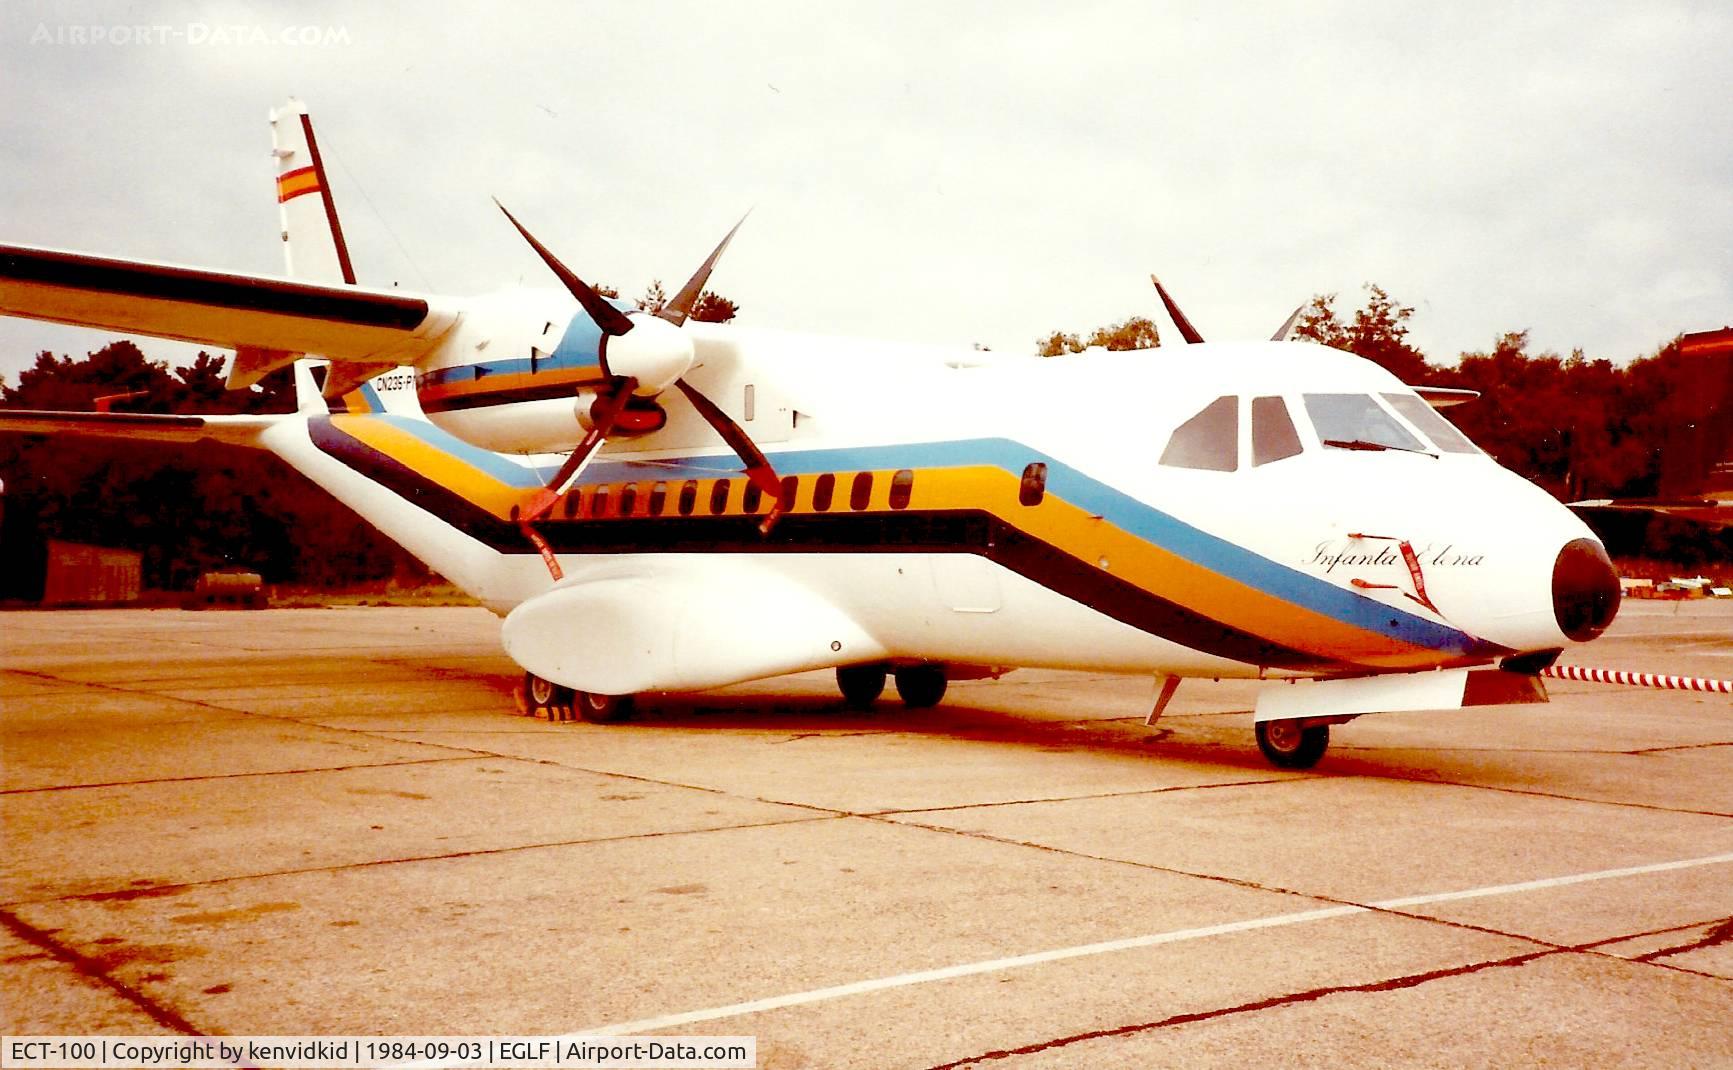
[{"x": 659, "y": 504}]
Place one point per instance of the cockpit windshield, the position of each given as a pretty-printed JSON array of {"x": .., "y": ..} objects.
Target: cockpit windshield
[
  {"x": 1418, "y": 412},
  {"x": 1358, "y": 422}
]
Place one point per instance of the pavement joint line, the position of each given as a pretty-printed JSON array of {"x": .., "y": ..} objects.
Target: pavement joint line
[
  {"x": 1681, "y": 746},
  {"x": 87, "y": 967},
  {"x": 254, "y": 773},
  {"x": 1621, "y": 803},
  {"x": 1236, "y": 882},
  {"x": 1173, "y": 936},
  {"x": 1389, "y": 984},
  {"x": 201, "y": 704},
  {"x": 161, "y": 890},
  {"x": 1079, "y": 798}
]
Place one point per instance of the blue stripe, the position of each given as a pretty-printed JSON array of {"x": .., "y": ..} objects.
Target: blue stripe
[
  {"x": 577, "y": 348},
  {"x": 1085, "y": 492}
]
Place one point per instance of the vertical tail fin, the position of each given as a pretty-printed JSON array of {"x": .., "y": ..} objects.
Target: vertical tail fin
[
  {"x": 313, "y": 245},
  {"x": 314, "y": 249}
]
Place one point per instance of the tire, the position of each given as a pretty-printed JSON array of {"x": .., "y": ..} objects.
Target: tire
[
  {"x": 861, "y": 685},
  {"x": 539, "y": 692},
  {"x": 1288, "y": 746},
  {"x": 602, "y": 709},
  {"x": 921, "y": 686}
]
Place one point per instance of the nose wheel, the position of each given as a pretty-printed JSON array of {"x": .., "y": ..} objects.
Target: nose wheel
[{"x": 1291, "y": 744}]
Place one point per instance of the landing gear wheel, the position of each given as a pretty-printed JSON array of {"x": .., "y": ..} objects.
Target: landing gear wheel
[
  {"x": 603, "y": 709},
  {"x": 921, "y": 686},
  {"x": 544, "y": 694},
  {"x": 1290, "y": 746},
  {"x": 861, "y": 685}
]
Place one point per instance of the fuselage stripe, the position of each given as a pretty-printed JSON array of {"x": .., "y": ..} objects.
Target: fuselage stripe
[{"x": 1143, "y": 550}]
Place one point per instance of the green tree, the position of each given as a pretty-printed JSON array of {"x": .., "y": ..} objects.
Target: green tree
[
  {"x": 654, "y": 299},
  {"x": 712, "y": 307},
  {"x": 1379, "y": 332},
  {"x": 1058, "y": 343},
  {"x": 1137, "y": 332}
]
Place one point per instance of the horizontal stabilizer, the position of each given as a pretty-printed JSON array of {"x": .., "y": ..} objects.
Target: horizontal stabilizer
[
  {"x": 154, "y": 427},
  {"x": 1446, "y": 689},
  {"x": 225, "y": 309},
  {"x": 668, "y": 624}
]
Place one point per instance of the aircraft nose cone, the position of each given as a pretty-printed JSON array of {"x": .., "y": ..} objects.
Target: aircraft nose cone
[{"x": 1585, "y": 590}]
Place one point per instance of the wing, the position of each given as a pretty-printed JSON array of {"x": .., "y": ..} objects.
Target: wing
[
  {"x": 270, "y": 320},
  {"x": 240, "y": 430}
]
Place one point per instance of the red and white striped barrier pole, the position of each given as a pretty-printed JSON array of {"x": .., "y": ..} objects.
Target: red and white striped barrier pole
[{"x": 1638, "y": 679}]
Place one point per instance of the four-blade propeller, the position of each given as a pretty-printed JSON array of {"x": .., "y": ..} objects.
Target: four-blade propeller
[{"x": 643, "y": 355}]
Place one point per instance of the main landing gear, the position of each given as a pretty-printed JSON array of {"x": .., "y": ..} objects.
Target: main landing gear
[
  {"x": 919, "y": 686},
  {"x": 561, "y": 702},
  {"x": 1292, "y": 744}
]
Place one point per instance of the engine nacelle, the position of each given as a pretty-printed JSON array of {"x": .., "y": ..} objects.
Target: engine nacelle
[
  {"x": 654, "y": 352},
  {"x": 519, "y": 373}
]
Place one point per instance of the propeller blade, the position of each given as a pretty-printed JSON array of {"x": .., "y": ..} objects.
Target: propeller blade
[
  {"x": 757, "y": 465},
  {"x": 1287, "y": 328},
  {"x": 610, "y": 319},
  {"x": 1186, "y": 330},
  {"x": 603, "y": 415},
  {"x": 680, "y": 307}
]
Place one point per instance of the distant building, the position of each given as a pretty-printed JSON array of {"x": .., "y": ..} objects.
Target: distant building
[{"x": 78, "y": 573}]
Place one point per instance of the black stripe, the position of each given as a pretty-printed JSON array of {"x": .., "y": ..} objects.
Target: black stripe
[
  {"x": 126, "y": 278},
  {"x": 330, "y": 205},
  {"x": 909, "y": 531}
]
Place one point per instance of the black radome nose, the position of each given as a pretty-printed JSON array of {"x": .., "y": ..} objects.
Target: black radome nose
[{"x": 1585, "y": 590}]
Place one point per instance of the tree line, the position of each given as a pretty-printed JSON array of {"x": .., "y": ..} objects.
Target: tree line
[{"x": 1580, "y": 427}]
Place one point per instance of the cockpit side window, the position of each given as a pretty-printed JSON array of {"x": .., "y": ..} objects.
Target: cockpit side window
[
  {"x": 1422, "y": 415},
  {"x": 1210, "y": 440},
  {"x": 1273, "y": 434},
  {"x": 1358, "y": 422}
]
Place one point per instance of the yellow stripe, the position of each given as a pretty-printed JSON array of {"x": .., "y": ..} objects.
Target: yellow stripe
[{"x": 1055, "y": 522}]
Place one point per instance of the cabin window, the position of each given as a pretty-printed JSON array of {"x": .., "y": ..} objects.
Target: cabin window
[
  {"x": 790, "y": 492},
  {"x": 1357, "y": 422},
  {"x": 902, "y": 488},
  {"x": 719, "y": 497},
  {"x": 688, "y": 496},
  {"x": 823, "y": 490},
  {"x": 628, "y": 499},
  {"x": 574, "y": 503},
  {"x": 599, "y": 502},
  {"x": 658, "y": 498},
  {"x": 860, "y": 495},
  {"x": 750, "y": 496},
  {"x": 1273, "y": 434},
  {"x": 1209, "y": 441},
  {"x": 1034, "y": 486},
  {"x": 1442, "y": 432}
]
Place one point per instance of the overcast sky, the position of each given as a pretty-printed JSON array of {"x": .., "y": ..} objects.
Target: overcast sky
[{"x": 927, "y": 171}]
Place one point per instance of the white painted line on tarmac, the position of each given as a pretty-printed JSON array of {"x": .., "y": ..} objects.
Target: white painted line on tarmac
[{"x": 968, "y": 969}]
